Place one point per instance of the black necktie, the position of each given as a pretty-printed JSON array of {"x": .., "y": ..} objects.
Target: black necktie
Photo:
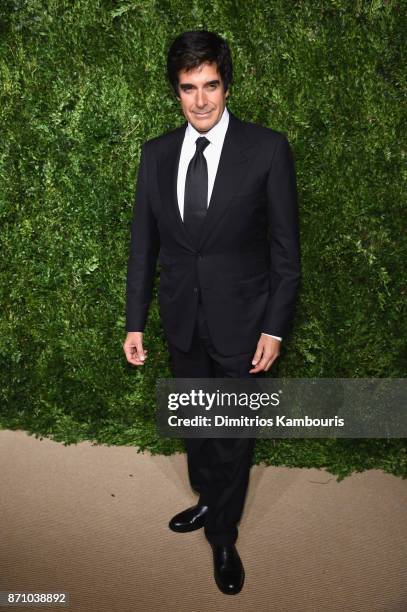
[{"x": 196, "y": 191}]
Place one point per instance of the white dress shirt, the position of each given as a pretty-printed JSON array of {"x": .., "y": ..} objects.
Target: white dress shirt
[{"x": 216, "y": 136}]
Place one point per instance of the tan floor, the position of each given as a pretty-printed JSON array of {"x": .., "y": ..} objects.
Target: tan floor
[{"x": 92, "y": 521}]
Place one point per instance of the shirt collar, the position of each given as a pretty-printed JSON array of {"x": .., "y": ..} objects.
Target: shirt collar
[{"x": 215, "y": 135}]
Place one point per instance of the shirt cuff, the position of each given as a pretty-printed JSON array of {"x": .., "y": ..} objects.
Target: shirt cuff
[{"x": 271, "y": 336}]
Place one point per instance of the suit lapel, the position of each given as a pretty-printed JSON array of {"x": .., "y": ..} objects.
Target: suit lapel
[
  {"x": 167, "y": 179},
  {"x": 233, "y": 165}
]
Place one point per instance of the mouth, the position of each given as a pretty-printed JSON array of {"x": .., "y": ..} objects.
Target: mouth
[{"x": 203, "y": 114}]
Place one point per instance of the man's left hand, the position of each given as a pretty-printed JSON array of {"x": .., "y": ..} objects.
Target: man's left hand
[{"x": 268, "y": 349}]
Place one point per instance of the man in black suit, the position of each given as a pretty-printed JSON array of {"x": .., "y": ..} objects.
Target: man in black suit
[{"x": 216, "y": 203}]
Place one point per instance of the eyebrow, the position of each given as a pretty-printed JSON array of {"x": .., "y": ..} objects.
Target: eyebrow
[{"x": 214, "y": 82}]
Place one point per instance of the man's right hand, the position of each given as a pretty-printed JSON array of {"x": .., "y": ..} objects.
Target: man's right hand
[{"x": 133, "y": 348}]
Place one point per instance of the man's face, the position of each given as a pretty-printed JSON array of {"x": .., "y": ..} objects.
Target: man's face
[{"x": 201, "y": 96}]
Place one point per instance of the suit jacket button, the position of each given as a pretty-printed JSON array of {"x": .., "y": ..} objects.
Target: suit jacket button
[{"x": 195, "y": 289}]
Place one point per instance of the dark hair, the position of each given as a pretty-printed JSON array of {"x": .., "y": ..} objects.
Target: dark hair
[{"x": 191, "y": 49}]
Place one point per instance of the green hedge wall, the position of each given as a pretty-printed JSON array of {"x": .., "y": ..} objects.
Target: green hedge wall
[{"x": 83, "y": 84}]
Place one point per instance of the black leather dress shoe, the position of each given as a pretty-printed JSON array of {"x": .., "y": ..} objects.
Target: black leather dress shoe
[
  {"x": 228, "y": 569},
  {"x": 189, "y": 519}
]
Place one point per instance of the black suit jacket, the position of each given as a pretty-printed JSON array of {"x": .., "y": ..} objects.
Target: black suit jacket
[{"x": 247, "y": 265}]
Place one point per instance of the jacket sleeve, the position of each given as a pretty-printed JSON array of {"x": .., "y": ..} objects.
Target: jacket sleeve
[
  {"x": 282, "y": 213},
  {"x": 144, "y": 247}
]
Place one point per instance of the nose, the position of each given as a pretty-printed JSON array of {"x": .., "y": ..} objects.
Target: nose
[{"x": 200, "y": 99}]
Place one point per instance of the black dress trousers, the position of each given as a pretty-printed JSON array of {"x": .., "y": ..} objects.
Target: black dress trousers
[{"x": 218, "y": 468}]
